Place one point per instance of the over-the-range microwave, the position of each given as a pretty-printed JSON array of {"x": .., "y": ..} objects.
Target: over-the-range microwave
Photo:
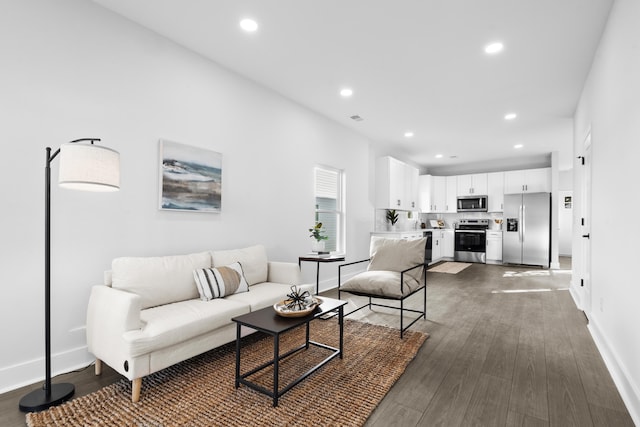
[{"x": 472, "y": 204}]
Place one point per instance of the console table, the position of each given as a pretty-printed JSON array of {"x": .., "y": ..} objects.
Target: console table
[{"x": 318, "y": 259}]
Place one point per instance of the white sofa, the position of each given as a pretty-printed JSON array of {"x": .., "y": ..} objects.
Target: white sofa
[{"x": 149, "y": 314}]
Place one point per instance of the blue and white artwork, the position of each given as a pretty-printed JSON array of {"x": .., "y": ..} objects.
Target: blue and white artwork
[{"x": 190, "y": 178}]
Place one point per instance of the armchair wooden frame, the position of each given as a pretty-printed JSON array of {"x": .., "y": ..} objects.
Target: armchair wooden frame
[{"x": 402, "y": 308}]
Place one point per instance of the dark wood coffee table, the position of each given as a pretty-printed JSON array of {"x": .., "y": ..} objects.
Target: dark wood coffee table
[{"x": 268, "y": 321}]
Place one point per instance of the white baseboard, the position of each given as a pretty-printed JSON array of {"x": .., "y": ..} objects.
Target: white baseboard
[
  {"x": 575, "y": 296},
  {"x": 629, "y": 391},
  {"x": 33, "y": 371}
]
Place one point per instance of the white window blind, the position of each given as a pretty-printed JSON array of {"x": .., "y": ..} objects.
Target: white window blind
[{"x": 328, "y": 206}]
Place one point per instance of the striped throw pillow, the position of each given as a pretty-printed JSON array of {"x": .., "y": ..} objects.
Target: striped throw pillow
[{"x": 220, "y": 281}]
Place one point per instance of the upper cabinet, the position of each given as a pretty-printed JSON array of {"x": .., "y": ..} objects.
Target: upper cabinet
[
  {"x": 495, "y": 193},
  {"x": 437, "y": 194},
  {"x": 472, "y": 185},
  {"x": 424, "y": 193},
  {"x": 396, "y": 185},
  {"x": 451, "y": 200},
  {"x": 528, "y": 181}
]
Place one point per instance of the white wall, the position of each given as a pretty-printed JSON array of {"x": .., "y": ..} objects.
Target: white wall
[
  {"x": 71, "y": 70},
  {"x": 610, "y": 107}
]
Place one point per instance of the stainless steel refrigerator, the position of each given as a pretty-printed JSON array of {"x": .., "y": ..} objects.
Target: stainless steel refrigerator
[{"x": 527, "y": 229}]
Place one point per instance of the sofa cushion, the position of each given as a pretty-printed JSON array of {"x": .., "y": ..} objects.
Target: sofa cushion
[
  {"x": 266, "y": 294},
  {"x": 253, "y": 260},
  {"x": 218, "y": 282},
  {"x": 159, "y": 280},
  {"x": 175, "y": 323}
]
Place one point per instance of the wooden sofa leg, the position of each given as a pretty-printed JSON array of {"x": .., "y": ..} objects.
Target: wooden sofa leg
[
  {"x": 136, "y": 386},
  {"x": 98, "y": 367}
]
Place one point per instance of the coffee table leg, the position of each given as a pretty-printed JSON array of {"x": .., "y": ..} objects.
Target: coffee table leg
[
  {"x": 276, "y": 354},
  {"x": 317, "y": 277},
  {"x": 237, "y": 355},
  {"x": 307, "y": 342},
  {"x": 341, "y": 323}
]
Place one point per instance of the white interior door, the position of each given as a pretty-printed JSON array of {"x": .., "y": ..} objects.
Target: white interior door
[{"x": 586, "y": 228}]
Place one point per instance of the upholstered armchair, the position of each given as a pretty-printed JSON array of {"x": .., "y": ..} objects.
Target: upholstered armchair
[{"x": 396, "y": 270}]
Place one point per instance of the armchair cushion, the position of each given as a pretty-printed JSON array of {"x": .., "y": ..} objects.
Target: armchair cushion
[{"x": 382, "y": 283}]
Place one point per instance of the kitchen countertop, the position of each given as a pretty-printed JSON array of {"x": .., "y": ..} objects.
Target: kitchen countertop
[{"x": 398, "y": 231}]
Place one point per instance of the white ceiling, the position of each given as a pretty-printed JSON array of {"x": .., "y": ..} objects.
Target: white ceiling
[{"x": 414, "y": 65}]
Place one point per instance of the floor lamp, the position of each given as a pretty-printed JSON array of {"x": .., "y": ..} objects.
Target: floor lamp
[{"x": 83, "y": 166}]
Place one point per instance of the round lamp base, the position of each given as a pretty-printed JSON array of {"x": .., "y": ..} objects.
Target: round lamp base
[{"x": 39, "y": 400}]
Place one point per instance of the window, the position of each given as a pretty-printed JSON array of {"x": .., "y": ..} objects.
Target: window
[{"x": 329, "y": 205}]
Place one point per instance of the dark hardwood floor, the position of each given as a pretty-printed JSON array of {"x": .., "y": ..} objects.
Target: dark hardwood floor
[{"x": 507, "y": 348}]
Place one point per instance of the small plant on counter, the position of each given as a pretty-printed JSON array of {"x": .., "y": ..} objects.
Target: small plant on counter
[
  {"x": 317, "y": 232},
  {"x": 392, "y": 216}
]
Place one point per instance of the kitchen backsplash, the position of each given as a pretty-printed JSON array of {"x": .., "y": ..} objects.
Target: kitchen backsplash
[{"x": 410, "y": 222}]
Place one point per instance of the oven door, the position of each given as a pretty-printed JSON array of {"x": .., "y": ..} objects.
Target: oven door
[{"x": 470, "y": 241}]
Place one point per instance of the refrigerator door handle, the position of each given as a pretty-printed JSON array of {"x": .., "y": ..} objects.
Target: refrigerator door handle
[{"x": 524, "y": 224}]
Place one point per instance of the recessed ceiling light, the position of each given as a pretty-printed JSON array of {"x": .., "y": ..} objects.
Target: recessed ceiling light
[
  {"x": 438, "y": 156},
  {"x": 494, "y": 48},
  {"x": 249, "y": 25},
  {"x": 510, "y": 116},
  {"x": 518, "y": 146},
  {"x": 346, "y": 92},
  {"x": 408, "y": 134}
]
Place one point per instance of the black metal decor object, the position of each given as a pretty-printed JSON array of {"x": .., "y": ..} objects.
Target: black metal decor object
[{"x": 50, "y": 394}]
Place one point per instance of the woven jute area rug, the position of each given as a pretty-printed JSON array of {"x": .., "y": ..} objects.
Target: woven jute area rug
[
  {"x": 450, "y": 267},
  {"x": 201, "y": 392}
]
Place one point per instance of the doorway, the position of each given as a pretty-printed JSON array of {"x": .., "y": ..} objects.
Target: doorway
[{"x": 585, "y": 224}]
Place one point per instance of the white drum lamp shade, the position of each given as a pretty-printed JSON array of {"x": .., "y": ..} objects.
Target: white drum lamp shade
[{"x": 89, "y": 167}]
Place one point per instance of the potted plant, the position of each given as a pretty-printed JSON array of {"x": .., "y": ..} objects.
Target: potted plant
[
  {"x": 318, "y": 235},
  {"x": 392, "y": 217}
]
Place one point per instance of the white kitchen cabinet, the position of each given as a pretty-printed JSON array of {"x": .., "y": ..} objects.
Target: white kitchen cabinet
[
  {"x": 472, "y": 185},
  {"x": 452, "y": 195},
  {"x": 527, "y": 181},
  {"x": 411, "y": 181},
  {"x": 494, "y": 246},
  {"x": 442, "y": 245},
  {"x": 437, "y": 243},
  {"x": 448, "y": 246},
  {"x": 439, "y": 193},
  {"x": 396, "y": 185},
  {"x": 495, "y": 187},
  {"x": 425, "y": 193}
]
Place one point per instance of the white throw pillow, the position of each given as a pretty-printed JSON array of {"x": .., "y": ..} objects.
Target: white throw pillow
[{"x": 218, "y": 282}]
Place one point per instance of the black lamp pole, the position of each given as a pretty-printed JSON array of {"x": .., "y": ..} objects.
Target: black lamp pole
[{"x": 50, "y": 394}]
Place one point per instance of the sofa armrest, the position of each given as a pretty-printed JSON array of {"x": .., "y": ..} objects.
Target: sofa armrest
[
  {"x": 284, "y": 272},
  {"x": 111, "y": 313}
]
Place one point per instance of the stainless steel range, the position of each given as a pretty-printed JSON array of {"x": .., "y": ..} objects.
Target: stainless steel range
[{"x": 471, "y": 240}]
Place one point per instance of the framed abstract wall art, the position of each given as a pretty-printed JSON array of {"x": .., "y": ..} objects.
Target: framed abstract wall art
[{"x": 190, "y": 178}]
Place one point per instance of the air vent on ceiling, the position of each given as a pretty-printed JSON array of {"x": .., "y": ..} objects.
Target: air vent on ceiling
[{"x": 357, "y": 118}]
